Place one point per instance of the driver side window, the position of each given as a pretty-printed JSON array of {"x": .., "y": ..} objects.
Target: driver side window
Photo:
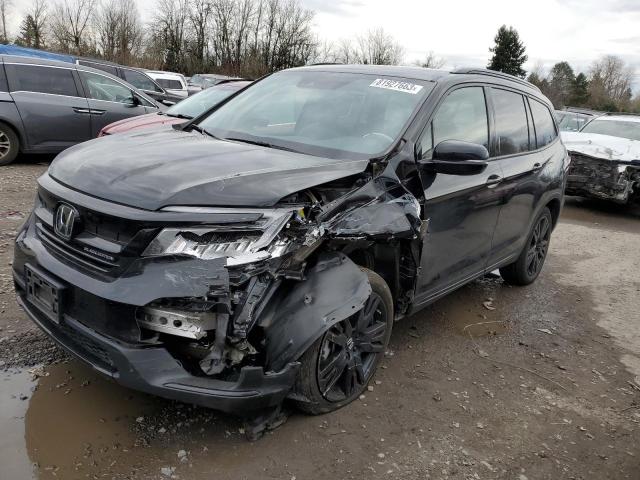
[
  {"x": 103, "y": 88},
  {"x": 461, "y": 116}
]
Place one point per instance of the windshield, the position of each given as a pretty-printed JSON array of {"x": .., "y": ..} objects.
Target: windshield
[
  {"x": 200, "y": 102},
  {"x": 572, "y": 122},
  {"x": 616, "y": 128},
  {"x": 336, "y": 115}
]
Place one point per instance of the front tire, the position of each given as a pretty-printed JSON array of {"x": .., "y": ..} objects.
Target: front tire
[
  {"x": 9, "y": 144},
  {"x": 336, "y": 369},
  {"x": 529, "y": 264}
]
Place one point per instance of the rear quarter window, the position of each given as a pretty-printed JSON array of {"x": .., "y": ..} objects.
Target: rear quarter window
[
  {"x": 41, "y": 79},
  {"x": 543, "y": 122}
]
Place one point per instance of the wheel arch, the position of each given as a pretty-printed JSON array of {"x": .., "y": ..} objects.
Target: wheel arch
[{"x": 333, "y": 289}]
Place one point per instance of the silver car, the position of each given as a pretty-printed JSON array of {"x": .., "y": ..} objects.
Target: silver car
[{"x": 47, "y": 106}]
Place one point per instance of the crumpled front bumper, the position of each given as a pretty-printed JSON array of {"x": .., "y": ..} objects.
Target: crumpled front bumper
[
  {"x": 145, "y": 367},
  {"x": 600, "y": 178}
]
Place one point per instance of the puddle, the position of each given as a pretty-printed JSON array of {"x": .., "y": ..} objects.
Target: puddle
[
  {"x": 73, "y": 423},
  {"x": 15, "y": 385}
]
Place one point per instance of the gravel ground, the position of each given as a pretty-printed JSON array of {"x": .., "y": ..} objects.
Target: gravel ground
[{"x": 541, "y": 382}]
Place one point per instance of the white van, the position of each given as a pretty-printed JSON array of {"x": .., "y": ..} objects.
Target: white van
[{"x": 172, "y": 82}]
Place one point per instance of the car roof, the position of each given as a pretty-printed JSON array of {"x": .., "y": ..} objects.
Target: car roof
[
  {"x": 434, "y": 75},
  {"x": 619, "y": 118},
  {"x": 54, "y": 63},
  {"x": 214, "y": 76}
]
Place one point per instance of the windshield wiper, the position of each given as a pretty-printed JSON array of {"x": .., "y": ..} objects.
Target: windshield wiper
[
  {"x": 199, "y": 129},
  {"x": 260, "y": 144},
  {"x": 179, "y": 115}
]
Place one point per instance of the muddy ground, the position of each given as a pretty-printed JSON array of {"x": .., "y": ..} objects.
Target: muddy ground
[{"x": 541, "y": 382}]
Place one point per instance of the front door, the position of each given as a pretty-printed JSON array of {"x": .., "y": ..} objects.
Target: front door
[
  {"x": 460, "y": 212},
  {"x": 109, "y": 100},
  {"x": 54, "y": 113}
]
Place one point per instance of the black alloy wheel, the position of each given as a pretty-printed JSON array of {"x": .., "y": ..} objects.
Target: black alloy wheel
[
  {"x": 538, "y": 246},
  {"x": 335, "y": 370},
  {"x": 529, "y": 264},
  {"x": 349, "y": 350}
]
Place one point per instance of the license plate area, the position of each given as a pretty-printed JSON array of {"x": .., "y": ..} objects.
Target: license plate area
[{"x": 44, "y": 293}]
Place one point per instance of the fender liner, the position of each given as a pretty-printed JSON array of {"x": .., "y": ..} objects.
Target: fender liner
[{"x": 334, "y": 289}]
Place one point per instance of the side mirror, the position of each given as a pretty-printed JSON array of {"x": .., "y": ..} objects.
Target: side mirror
[
  {"x": 168, "y": 103},
  {"x": 454, "y": 157},
  {"x": 134, "y": 101}
]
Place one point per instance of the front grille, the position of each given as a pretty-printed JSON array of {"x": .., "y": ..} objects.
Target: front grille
[
  {"x": 102, "y": 246},
  {"x": 74, "y": 253}
]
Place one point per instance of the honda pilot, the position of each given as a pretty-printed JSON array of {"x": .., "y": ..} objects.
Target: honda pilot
[{"x": 263, "y": 250}]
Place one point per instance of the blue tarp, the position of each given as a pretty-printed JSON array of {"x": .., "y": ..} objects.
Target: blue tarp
[{"x": 32, "y": 52}]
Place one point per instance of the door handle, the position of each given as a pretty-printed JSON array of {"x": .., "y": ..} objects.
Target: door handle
[
  {"x": 95, "y": 111},
  {"x": 81, "y": 110},
  {"x": 493, "y": 180}
]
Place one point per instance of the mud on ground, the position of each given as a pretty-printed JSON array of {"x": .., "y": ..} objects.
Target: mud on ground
[{"x": 541, "y": 382}]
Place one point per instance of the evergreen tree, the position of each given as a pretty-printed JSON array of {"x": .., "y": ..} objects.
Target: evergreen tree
[
  {"x": 561, "y": 82},
  {"x": 508, "y": 52},
  {"x": 580, "y": 94}
]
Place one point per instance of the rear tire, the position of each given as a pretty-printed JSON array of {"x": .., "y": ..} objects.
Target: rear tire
[
  {"x": 9, "y": 144},
  {"x": 336, "y": 369},
  {"x": 529, "y": 264}
]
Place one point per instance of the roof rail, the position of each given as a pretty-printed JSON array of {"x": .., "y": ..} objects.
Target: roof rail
[{"x": 493, "y": 73}]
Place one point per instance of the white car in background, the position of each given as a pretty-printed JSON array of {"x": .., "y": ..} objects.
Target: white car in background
[
  {"x": 605, "y": 158},
  {"x": 174, "y": 83}
]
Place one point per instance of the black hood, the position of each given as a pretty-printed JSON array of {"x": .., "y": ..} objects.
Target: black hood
[{"x": 157, "y": 168}]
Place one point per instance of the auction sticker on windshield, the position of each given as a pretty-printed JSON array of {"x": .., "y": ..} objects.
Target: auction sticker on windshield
[{"x": 397, "y": 85}]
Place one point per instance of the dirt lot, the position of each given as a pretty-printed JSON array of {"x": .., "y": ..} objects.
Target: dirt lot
[{"x": 540, "y": 382}]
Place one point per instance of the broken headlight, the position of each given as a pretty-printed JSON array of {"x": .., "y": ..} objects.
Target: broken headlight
[{"x": 238, "y": 245}]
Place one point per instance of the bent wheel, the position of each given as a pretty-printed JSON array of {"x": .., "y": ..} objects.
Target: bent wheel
[{"x": 337, "y": 367}]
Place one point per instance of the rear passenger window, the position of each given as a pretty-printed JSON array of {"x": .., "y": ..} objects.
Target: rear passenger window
[
  {"x": 512, "y": 129},
  {"x": 543, "y": 121},
  {"x": 40, "y": 79},
  {"x": 462, "y": 116}
]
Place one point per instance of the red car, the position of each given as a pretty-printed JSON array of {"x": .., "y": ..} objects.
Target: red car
[{"x": 185, "y": 110}]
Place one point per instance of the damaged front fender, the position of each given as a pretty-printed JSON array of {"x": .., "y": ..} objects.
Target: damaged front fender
[{"x": 334, "y": 289}]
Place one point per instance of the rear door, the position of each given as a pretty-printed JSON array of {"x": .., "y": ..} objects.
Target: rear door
[
  {"x": 460, "y": 211},
  {"x": 109, "y": 100},
  {"x": 522, "y": 158},
  {"x": 54, "y": 112}
]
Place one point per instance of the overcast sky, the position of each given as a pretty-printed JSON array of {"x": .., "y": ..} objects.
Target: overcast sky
[{"x": 462, "y": 31}]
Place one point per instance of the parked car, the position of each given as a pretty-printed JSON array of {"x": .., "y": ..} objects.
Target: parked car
[
  {"x": 202, "y": 81},
  {"x": 605, "y": 159},
  {"x": 179, "y": 113},
  {"x": 173, "y": 83},
  {"x": 136, "y": 77},
  {"x": 47, "y": 106},
  {"x": 264, "y": 250}
]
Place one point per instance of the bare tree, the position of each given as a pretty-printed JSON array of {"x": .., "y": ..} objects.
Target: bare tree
[
  {"x": 431, "y": 61},
  {"x": 200, "y": 13},
  {"x": 610, "y": 82},
  {"x": 118, "y": 30},
  {"x": 169, "y": 30},
  {"x": 377, "y": 47},
  {"x": 70, "y": 24},
  {"x": 32, "y": 29},
  {"x": 5, "y": 7}
]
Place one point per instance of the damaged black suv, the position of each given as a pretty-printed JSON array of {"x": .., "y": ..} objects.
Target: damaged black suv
[{"x": 263, "y": 250}]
